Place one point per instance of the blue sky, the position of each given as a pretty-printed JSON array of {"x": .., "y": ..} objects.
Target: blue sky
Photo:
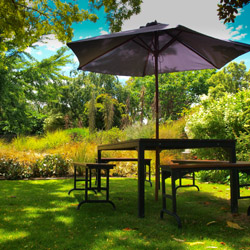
[{"x": 200, "y": 15}]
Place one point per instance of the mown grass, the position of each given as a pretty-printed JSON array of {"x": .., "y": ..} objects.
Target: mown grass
[{"x": 39, "y": 214}]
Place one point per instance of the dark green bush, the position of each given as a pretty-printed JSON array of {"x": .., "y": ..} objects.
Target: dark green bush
[
  {"x": 51, "y": 165},
  {"x": 13, "y": 170},
  {"x": 78, "y": 134},
  {"x": 214, "y": 176}
]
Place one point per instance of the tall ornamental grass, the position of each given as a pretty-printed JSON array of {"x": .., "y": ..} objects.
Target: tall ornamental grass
[
  {"x": 48, "y": 141},
  {"x": 79, "y": 145}
]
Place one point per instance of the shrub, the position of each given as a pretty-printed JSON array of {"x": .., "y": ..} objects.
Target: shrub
[
  {"x": 108, "y": 136},
  {"x": 137, "y": 131},
  {"x": 54, "y": 122},
  {"x": 11, "y": 169},
  {"x": 51, "y": 165},
  {"x": 78, "y": 134},
  {"x": 214, "y": 176},
  {"x": 227, "y": 117}
]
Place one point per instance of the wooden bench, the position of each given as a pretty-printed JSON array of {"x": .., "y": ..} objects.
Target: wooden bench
[
  {"x": 88, "y": 167},
  {"x": 176, "y": 171},
  {"x": 206, "y": 162},
  {"x": 193, "y": 173},
  {"x": 147, "y": 164}
]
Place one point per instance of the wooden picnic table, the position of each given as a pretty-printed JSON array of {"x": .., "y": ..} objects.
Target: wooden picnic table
[
  {"x": 142, "y": 145},
  {"x": 178, "y": 171}
]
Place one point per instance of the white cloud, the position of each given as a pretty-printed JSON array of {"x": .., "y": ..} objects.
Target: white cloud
[
  {"x": 103, "y": 32},
  {"x": 239, "y": 37},
  {"x": 49, "y": 42},
  {"x": 240, "y": 27},
  {"x": 28, "y": 50},
  {"x": 235, "y": 33},
  {"x": 200, "y": 15}
]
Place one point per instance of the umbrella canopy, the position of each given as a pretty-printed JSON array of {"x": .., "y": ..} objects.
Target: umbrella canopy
[
  {"x": 153, "y": 49},
  {"x": 132, "y": 53}
]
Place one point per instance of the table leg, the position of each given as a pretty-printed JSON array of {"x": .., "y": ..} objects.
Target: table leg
[
  {"x": 234, "y": 189},
  {"x": 98, "y": 171},
  {"x": 141, "y": 185}
]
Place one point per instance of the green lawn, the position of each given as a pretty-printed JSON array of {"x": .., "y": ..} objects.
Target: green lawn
[{"x": 39, "y": 214}]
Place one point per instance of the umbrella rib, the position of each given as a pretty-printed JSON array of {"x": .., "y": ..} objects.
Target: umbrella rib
[
  {"x": 148, "y": 49},
  {"x": 195, "y": 51},
  {"x": 146, "y": 63},
  {"x": 106, "y": 52},
  {"x": 170, "y": 42},
  {"x": 144, "y": 45},
  {"x": 199, "y": 54}
]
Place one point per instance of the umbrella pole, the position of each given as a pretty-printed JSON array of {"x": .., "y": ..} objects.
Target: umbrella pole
[{"x": 157, "y": 152}]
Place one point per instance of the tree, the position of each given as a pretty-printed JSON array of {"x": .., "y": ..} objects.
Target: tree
[
  {"x": 118, "y": 11},
  {"x": 228, "y": 9},
  {"x": 91, "y": 114},
  {"x": 28, "y": 88},
  {"x": 24, "y": 22},
  {"x": 177, "y": 91},
  {"x": 230, "y": 79}
]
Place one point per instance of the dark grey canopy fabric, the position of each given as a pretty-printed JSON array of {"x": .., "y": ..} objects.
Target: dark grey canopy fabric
[{"x": 132, "y": 53}]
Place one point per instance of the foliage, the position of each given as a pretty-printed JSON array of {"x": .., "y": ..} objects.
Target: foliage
[
  {"x": 177, "y": 91},
  {"x": 51, "y": 165},
  {"x": 137, "y": 130},
  {"x": 84, "y": 97},
  {"x": 48, "y": 141},
  {"x": 227, "y": 117},
  {"x": 230, "y": 79},
  {"x": 28, "y": 88},
  {"x": 108, "y": 112},
  {"x": 92, "y": 113},
  {"x": 228, "y": 9},
  {"x": 54, "y": 122},
  {"x": 108, "y": 136},
  {"x": 214, "y": 176},
  {"x": 11, "y": 169},
  {"x": 78, "y": 134},
  {"x": 118, "y": 11},
  {"x": 173, "y": 129},
  {"x": 24, "y": 22}
]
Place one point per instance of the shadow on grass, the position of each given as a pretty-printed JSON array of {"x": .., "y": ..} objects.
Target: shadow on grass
[{"x": 41, "y": 215}]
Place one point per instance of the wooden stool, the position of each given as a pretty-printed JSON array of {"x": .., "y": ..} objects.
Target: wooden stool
[
  {"x": 98, "y": 167},
  {"x": 82, "y": 165}
]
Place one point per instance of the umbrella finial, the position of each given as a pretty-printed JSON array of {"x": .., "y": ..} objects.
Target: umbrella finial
[{"x": 149, "y": 24}]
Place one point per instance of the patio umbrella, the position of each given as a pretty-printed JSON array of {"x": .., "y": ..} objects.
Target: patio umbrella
[{"x": 153, "y": 49}]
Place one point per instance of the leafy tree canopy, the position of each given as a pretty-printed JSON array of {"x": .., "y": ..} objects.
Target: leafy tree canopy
[
  {"x": 230, "y": 79},
  {"x": 26, "y": 86},
  {"x": 228, "y": 9},
  {"x": 118, "y": 11},
  {"x": 23, "y": 22}
]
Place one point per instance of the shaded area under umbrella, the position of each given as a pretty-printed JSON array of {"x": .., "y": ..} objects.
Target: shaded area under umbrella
[{"x": 154, "y": 49}]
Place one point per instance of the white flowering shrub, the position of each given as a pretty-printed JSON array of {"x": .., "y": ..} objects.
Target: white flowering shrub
[{"x": 227, "y": 117}]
